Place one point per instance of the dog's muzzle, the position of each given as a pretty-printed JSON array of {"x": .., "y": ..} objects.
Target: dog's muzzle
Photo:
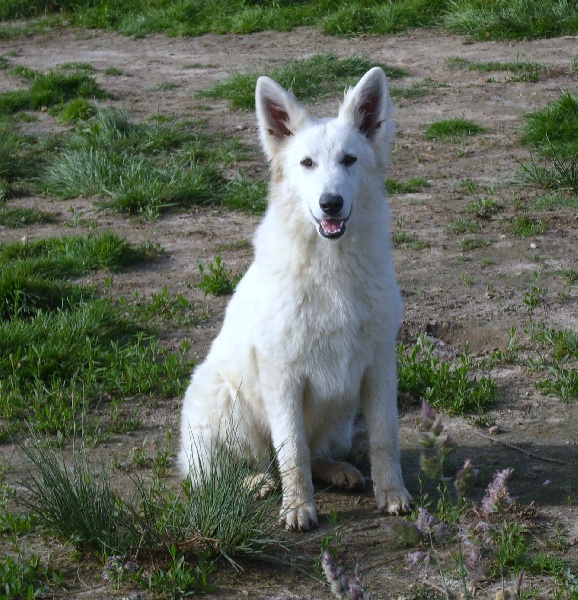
[{"x": 332, "y": 227}]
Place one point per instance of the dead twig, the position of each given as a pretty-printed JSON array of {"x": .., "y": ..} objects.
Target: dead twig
[{"x": 518, "y": 449}]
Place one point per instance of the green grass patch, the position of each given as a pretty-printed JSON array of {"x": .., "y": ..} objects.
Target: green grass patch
[
  {"x": 310, "y": 79},
  {"x": 495, "y": 19},
  {"x": 62, "y": 348},
  {"x": 49, "y": 89},
  {"x": 452, "y": 129},
  {"x": 148, "y": 168},
  {"x": 522, "y": 70},
  {"x": 525, "y": 226},
  {"x": 450, "y": 386},
  {"x": 77, "y": 503},
  {"x": 22, "y": 217},
  {"x": 556, "y": 201},
  {"x": 418, "y": 89},
  {"x": 76, "y": 109},
  {"x": 463, "y": 226},
  {"x": 484, "y": 208},
  {"x": 554, "y": 129},
  {"x": 513, "y": 19},
  {"x": 21, "y": 157},
  {"x": 469, "y": 244},
  {"x": 410, "y": 186}
]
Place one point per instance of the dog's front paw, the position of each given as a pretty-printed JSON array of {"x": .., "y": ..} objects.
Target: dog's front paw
[
  {"x": 394, "y": 501},
  {"x": 299, "y": 518}
]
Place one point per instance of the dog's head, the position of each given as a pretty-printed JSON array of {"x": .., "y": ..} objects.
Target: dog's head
[{"x": 325, "y": 162}]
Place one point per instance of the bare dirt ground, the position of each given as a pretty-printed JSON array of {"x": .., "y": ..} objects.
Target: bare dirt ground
[{"x": 456, "y": 297}]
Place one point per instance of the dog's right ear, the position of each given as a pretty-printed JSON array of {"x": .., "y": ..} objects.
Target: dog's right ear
[{"x": 279, "y": 114}]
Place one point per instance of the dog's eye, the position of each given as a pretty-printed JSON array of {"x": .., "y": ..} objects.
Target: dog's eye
[
  {"x": 307, "y": 163},
  {"x": 348, "y": 160}
]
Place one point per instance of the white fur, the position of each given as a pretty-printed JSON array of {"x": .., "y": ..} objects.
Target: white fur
[{"x": 310, "y": 335}]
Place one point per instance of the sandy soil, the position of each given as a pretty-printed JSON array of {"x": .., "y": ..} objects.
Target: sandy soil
[{"x": 458, "y": 298}]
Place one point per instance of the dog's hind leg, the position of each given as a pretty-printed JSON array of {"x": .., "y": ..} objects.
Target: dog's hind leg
[{"x": 338, "y": 473}]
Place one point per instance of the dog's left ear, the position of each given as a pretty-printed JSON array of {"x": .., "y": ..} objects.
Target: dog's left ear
[
  {"x": 369, "y": 108},
  {"x": 279, "y": 114}
]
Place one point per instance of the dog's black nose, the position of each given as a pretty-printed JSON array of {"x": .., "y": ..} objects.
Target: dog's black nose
[{"x": 331, "y": 204}]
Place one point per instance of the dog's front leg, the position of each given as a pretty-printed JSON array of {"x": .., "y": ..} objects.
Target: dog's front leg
[
  {"x": 285, "y": 413},
  {"x": 379, "y": 405}
]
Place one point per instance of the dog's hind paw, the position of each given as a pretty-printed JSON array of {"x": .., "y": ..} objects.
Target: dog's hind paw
[
  {"x": 338, "y": 473},
  {"x": 393, "y": 501},
  {"x": 300, "y": 518},
  {"x": 261, "y": 484}
]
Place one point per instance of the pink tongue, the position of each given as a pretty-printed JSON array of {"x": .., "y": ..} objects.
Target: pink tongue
[{"x": 331, "y": 226}]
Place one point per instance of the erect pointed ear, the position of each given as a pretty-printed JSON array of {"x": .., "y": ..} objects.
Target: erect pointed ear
[
  {"x": 368, "y": 106},
  {"x": 279, "y": 114}
]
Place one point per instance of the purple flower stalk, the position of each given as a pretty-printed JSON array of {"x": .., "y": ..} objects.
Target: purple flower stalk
[
  {"x": 497, "y": 498},
  {"x": 342, "y": 586}
]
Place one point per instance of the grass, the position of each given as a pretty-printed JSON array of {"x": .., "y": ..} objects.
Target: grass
[
  {"x": 23, "y": 217},
  {"x": 560, "y": 361},
  {"x": 446, "y": 386},
  {"x": 484, "y": 208},
  {"x": 522, "y": 70},
  {"x": 147, "y": 169},
  {"x": 417, "y": 90},
  {"x": 496, "y": 19},
  {"x": 74, "y": 504},
  {"x": 452, "y": 129},
  {"x": 525, "y": 226},
  {"x": 552, "y": 133},
  {"x": 62, "y": 347},
  {"x": 50, "y": 89},
  {"x": 555, "y": 127},
  {"x": 512, "y": 19},
  {"x": 20, "y": 159},
  {"x": 411, "y": 186},
  {"x": 310, "y": 79},
  {"x": 77, "y": 503}
]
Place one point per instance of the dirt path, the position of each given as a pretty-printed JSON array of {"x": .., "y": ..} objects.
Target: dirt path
[{"x": 455, "y": 296}]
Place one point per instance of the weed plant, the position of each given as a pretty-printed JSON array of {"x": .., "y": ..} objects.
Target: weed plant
[
  {"x": 216, "y": 279},
  {"x": 488, "y": 539},
  {"x": 560, "y": 361},
  {"x": 525, "y": 226},
  {"x": 444, "y": 385},
  {"x": 176, "y": 311},
  {"x": 310, "y": 79},
  {"x": 26, "y": 577}
]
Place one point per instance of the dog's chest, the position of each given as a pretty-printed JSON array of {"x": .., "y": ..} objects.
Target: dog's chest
[{"x": 326, "y": 330}]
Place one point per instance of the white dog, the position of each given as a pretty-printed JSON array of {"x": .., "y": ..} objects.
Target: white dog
[{"x": 310, "y": 335}]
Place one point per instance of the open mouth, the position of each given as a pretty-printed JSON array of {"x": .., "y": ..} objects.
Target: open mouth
[{"x": 331, "y": 228}]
